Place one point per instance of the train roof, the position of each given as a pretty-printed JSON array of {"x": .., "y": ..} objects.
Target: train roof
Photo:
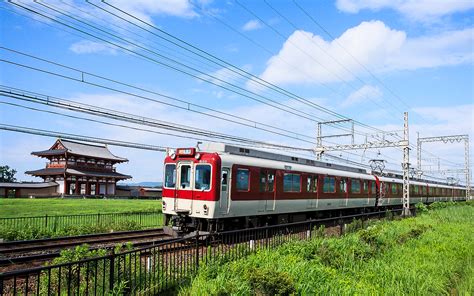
[
  {"x": 235, "y": 150},
  {"x": 329, "y": 168}
]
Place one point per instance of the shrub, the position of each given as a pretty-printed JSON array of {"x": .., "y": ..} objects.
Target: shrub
[
  {"x": 421, "y": 208},
  {"x": 270, "y": 282}
]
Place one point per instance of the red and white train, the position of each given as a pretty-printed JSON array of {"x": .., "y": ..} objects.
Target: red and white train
[{"x": 224, "y": 187}]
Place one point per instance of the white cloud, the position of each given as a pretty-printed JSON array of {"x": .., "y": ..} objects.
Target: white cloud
[
  {"x": 252, "y": 25},
  {"x": 420, "y": 10},
  {"x": 373, "y": 44},
  {"x": 363, "y": 94},
  {"x": 145, "y": 8},
  {"x": 449, "y": 48},
  {"x": 86, "y": 47}
]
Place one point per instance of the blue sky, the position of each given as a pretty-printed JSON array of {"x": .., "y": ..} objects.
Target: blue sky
[{"x": 419, "y": 57}]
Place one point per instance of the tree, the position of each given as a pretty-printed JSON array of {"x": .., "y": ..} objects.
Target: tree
[{"x": 7, "y": 174}]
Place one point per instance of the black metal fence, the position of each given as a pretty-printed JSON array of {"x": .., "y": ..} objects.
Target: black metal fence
[
  {"x": 153, "y": 270},
  {"x": 58, "y": 222}
]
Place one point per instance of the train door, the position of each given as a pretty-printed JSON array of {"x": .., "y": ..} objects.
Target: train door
[
  {"x": 184, "y": 194},
  {"x": 224, "y": 200},
  {"x": 271, "y": 188},
  {"x": 267, "y": 202},
  {"x": 343, "y": 192}
]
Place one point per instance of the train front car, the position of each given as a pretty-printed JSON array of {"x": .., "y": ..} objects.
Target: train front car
[{"x": 191, "y": 190}]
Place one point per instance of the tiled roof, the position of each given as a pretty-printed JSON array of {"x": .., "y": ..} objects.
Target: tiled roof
[{"x": 79, "y": 148}]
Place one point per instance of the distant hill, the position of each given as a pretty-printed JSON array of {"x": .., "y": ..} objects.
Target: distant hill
[{"x": 144, "y": 184}]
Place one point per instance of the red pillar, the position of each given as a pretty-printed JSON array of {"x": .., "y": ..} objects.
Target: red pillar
[{"x": 78, "y": 189}]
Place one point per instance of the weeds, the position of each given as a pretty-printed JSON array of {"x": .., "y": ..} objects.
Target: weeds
[{"x": 31, "y": 232}]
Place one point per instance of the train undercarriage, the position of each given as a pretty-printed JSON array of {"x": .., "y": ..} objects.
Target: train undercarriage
[{"x": 183, "y": 225}]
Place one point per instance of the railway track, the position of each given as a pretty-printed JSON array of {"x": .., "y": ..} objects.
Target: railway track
[
  {"x": 17, "y": 255},
  {"x": 35, "y": 251}
]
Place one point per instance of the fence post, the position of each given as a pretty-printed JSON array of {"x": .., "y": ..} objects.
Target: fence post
[
  {"x": 310, "y": 229},
  {"x": 46, "y": 221},
  {"x": 197, "y": 250},
  {"x": 98, "y": 218},
  {"x": 1, "y": 285},
  {"x": 111, "y": 271},
  {"x": 266, "y": 234}
]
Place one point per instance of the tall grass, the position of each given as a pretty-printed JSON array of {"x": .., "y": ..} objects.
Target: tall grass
[{"x": 432, "y": 254}]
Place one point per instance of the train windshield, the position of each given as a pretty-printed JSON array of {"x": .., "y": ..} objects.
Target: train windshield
[
  {"x": 170, "y": 175},
  {"x": 202, "y": 177}
]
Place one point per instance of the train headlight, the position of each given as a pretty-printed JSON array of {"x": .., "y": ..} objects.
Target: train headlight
[
  {"x": 164, "y": 205},
  {"x": 206, "y": 210}
]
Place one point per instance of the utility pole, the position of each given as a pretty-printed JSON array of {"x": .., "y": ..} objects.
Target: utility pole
[{"x": 406, "y": 167}]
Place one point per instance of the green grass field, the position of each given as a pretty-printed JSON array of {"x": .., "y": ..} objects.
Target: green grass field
[
  {"x": 91, "y": 216},
  {"x": 432, "y": 254},
  {"x": 21, "y": 207}
]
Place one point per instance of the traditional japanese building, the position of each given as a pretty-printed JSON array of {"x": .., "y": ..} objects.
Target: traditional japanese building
[{"x": 80, "y": 168}]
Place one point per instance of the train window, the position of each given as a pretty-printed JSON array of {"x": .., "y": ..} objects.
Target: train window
[
  {"x": 374, "y": 189},
  {"x": 267, "y": 181},
  {"x": 185, "y": 177},
  {"x": 225, "y": 175},
  {"x": 170, "y": 175},
  {"x": 312, "y": 184},
  {"x": 343, "y": 185},
  {"x": 355, "y": 186},
  {"x": 243, "y": 179},
  {"x": 270, "y": 181},
  {"x": 202, "y": 177},
  {"x": 394, "y": 188},
  {"x": 424, "y": 190},
  {"x": 291, "y": 183},
  {"x": 329, "y": 185},
  {"x": 416, "y": 189},
  {"x": 366, "y": 186}
]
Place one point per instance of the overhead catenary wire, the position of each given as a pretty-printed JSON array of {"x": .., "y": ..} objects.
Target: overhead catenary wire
[
  {"x": 187, "y": 105},
  {"x": 209, "y": 139},
  {"x": 136, "y": 119},
  {"x": 55, "y": 134},
  {"x": 254, "y": 77},
  {"x": 211, "y": 78},
  {"x": 332, "y": 58},
  {"x": 384, "y": 85}
]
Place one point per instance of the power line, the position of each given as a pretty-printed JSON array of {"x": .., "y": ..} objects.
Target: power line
[
  {"x": 230, "y": 87},
  {"x": 348, "y": 52},
  {"x": 206, "y": 54},
  {"x": 329, "y": 55},
  {"x": 112, "y": 114},
  {"x": 286, "y": 106},
  {"x": 188, "y": 106},
  {"x": 361, "y": 64},
  {"x": 54, "y": 134}
]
